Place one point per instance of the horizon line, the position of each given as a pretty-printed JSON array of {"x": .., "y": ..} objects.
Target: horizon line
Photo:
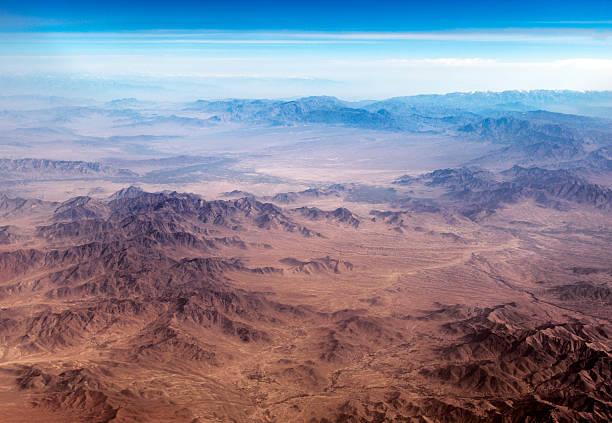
[{"x": 293, "y": 98}]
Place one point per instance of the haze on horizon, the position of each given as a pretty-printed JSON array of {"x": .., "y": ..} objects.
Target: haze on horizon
[{"x": 191, "y": 50}]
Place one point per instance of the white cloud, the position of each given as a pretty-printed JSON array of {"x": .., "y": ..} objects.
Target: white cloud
[
  {"x": 244, "y": 64},
  {"x": 535, "y": 35},
  {"x": 353, "y": 79}
]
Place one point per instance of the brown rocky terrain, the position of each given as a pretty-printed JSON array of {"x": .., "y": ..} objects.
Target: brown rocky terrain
[{"x": 157, "y": 307}]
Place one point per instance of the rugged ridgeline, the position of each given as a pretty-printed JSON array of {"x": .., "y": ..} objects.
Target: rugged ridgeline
[
  {"x": 417, "y": 113},
  {"x": 497, "y": 352},
  {"x": 518, "y": 120},
  {"x": 10, "y": 206},
  {"x": 26, "y": 169},
  {"x": 168, "y": 307},
  {"x": 544, "y": 139},
  {"x": 476, "y": 193},
  {"x": 165, "y": 170},
  {"x": 123, "y": 141},
  {"x": 469, "y": 191},
  {"x": 318, "y": 110},
  {"x": 124, "y": 261}
]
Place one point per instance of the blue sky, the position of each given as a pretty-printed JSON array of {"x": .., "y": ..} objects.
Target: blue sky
[
  {"x": 182, "y": 49},
  {"x": 356, "y": 15}
]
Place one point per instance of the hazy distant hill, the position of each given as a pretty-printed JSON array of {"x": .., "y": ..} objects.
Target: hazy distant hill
[
  {"x": 511, "y": 100},
  {"x": 322, "y": 110},
  {"x": 43, "y": 169}
]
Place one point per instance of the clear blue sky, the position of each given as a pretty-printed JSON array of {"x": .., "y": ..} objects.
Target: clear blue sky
[
  {"x": 351, "y": 49},
  {"x": 356, "y": 15}
]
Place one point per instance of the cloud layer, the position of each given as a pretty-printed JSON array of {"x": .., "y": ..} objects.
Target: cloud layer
[{"x": 352, "y": 65}]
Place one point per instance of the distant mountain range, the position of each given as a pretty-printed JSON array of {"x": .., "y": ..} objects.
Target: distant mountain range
[
  {"x": 511, "y": 100},
  {"x": 323, "y": 110},
  {"x": 476, "y": 193},
  {"x": 20, "y": 169},
  {"x": 521, "y": 121},
  {"x": 412, "y": 113},
  {"x": 515, "y": 128}
]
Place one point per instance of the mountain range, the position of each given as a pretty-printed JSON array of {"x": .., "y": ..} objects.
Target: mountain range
[{"x": 419, "y": 259}]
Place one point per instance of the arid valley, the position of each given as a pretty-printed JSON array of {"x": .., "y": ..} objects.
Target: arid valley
[{"x": 418, "y": 259}]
